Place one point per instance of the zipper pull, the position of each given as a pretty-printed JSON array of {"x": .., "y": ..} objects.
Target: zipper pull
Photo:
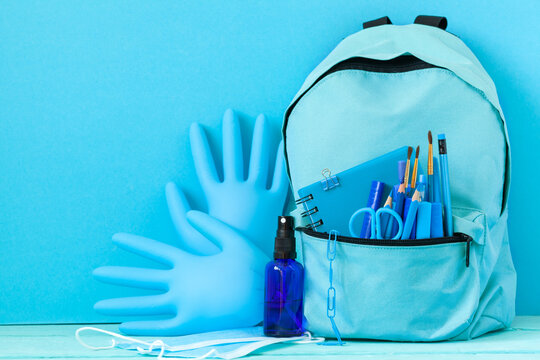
[{"x": 467, "y": 256}]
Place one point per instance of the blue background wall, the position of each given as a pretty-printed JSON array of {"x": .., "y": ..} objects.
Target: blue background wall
[{"x": 96, "y": 99}]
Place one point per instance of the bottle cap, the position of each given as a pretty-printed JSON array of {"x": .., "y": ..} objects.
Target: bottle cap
[{"x": 285, "y": 244}]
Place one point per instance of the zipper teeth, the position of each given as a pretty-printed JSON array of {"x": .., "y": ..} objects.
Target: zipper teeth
[
  {"x": 384, "y": 66},
  {"x": 457, "y": 238}
]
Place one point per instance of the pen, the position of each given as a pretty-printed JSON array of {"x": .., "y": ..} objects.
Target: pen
[{"x": 445, "y": 180}]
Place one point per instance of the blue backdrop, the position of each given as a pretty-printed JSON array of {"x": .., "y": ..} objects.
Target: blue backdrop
[{"x": 96, "y": 99}]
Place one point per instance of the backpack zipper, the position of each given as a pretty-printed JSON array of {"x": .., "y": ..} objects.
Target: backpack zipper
[
  {"x": 403, "y": 63},
  {"x": 457, "y": 238}
]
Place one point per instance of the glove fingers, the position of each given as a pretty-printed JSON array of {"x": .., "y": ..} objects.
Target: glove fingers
[
  {"x": 233, "y": 157},
  {"x": 222, "y": 235},
  {"x": 260, "y": 153},
  {"x": 166, "y": 327},
  {"x": 136, "y": 305},
  {"x": 190, "y": 239},
  {"x": 205, "y": 166},
  {"x": 280, "y": 183},
  {"x": 152, "y": 279},
  {"x": 151, "y": 249}
]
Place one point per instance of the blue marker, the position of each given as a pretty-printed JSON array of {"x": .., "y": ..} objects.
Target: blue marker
[
  {"x": 436, "y": 181},
  {"x": 445, "y": 180}
]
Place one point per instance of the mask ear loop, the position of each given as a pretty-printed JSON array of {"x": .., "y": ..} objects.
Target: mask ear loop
[
  {"x": 141, "y": 350},
  {"x": 156, "y": 343},
  {"x": 308, "y": 339},
  {"x": 113, "y": 341},
  {"x": 305, "y": 339}
]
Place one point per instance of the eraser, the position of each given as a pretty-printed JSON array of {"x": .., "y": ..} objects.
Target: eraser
[
  {"x": 423, "y": 227},
  {"x": 436, "y": 220}
]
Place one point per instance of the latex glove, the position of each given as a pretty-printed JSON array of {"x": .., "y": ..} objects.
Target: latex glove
[
  {"x": 247, "y": 204},
  {"x": 201, "y": 293}
]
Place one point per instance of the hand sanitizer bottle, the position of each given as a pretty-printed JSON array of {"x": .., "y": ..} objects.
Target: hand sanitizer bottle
[{"x": 284, "y": 285}]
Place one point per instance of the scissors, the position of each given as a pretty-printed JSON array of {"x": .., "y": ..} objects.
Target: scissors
[{"x": 376, "y": 228}]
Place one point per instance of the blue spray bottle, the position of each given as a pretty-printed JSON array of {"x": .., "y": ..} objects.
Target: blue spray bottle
[{"x": 284, "y": 285}]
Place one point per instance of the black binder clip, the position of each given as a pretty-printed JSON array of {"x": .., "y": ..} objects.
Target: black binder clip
[{"x": 330, "y": 181}]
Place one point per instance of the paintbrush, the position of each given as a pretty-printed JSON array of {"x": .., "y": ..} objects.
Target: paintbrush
[
  {"x": 430, "y": 168},
  {"x": 407, "y": 166},
  {"x": 415, "y": 168}
]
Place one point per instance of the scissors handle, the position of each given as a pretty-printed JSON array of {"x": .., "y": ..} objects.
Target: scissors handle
[
  {"x": 357, "y": 215},
  {"x": 393, "y": 213}
]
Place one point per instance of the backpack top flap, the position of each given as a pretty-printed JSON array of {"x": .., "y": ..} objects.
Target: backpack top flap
[{"x": 429, "y": 44}]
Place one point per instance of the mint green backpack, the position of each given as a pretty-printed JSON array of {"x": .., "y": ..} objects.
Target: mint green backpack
[{"x": 382, "y": 88}]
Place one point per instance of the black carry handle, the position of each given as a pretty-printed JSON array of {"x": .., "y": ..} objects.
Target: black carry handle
[
  {"x": 377, "y": 22},
  {"x": 435, "y": 21}
]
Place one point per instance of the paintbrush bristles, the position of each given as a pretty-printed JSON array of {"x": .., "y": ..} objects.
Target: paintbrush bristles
[
  {"x": 430, "y": 155},
  {"x": 407, "y": 166}
]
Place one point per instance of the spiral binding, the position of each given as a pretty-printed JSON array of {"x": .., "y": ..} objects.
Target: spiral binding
[
  {"x": 309, "y": 212},
  {"x": 304, "y": 199},
  {"x": 315, "y": 224}
]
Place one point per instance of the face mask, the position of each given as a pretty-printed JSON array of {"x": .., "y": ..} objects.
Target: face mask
[{"x": 226, "y": 344}]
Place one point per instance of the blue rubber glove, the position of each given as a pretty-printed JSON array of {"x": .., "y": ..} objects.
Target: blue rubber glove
[
  {"x": 248, "y": 205},
  {"x": 200, "y": 293}
]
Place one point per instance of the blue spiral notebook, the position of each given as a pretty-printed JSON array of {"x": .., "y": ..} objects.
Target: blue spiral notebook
[{"x": 330, "y": 203}]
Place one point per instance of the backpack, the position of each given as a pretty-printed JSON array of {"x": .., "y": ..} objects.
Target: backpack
[{"x": 379, "y": 89}]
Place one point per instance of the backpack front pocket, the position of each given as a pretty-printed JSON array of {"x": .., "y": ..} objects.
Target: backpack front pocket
[{"x": 409, "y": 290}]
